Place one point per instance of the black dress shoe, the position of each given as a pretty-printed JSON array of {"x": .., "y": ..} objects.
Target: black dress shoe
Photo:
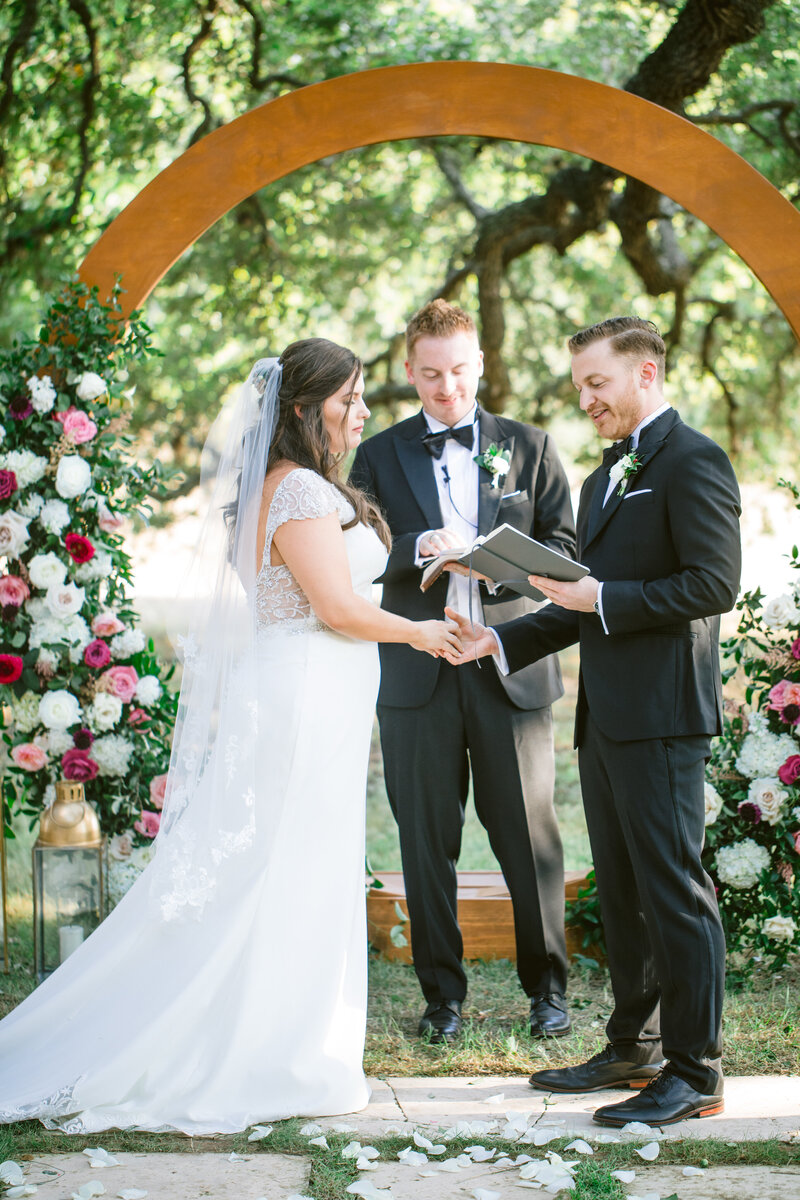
[
  {"x": 603, "y": 1070},
  {"x": 441, "y": 1020},
  {"x": 549, "y": 1016},
  {"x": 663, "y": 1102}
]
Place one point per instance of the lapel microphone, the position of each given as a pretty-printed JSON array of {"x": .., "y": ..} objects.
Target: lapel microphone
[{"x": 446, "y": 475}]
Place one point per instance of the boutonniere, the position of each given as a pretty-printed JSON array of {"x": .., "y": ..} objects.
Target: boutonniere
[
  {"x": 495, "y": 461},
  {"x": 622, "y": 470}
]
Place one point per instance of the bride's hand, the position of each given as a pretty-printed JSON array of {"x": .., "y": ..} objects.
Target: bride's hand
[{"x": 437, "y": 638}]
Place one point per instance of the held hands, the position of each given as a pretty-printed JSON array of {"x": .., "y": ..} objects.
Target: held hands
[
  {"x": 579, "y": 596},
  {"x": 439, "y": 638},
  {"x": 476, "y": 640}
]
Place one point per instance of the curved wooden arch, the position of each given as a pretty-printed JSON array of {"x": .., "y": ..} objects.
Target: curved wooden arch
[{"x": 524, "y": 104}]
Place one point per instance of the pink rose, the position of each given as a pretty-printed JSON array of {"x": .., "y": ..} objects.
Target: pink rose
[
  {"x": 65, "y": 412},
  {"x": 97, "y": 654},
  {"x": 77, "y": 765},
  {"x": 120, "y": 682},
  {"x": 783, "y": 694},
  {"x": 106, "y": 519},
  {"x": 106, "y": 624},
  {"x": 78, "y": 427},
  {"x": 136, "y": 716},
  {"x": 29, "y": 757},
  {"x": 158, "y": 790},
  {"x": 789, "y": 773},
  {"x": 148, "y": 825},
  {"x": 13, "y": 590},
  {"x": 796, "y": 836}
]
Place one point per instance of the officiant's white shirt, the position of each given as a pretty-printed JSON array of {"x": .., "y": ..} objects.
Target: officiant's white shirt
[{"x": 457, "y": 478}]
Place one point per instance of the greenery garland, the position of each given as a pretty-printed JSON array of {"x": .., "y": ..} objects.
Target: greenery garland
[{"x": 84, "y": 695}]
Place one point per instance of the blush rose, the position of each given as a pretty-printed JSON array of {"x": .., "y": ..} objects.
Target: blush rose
[
  {"x": 120, "y": 682},
  {"x": 29, "y": 757},
  {"x": 148, "y": 825}
]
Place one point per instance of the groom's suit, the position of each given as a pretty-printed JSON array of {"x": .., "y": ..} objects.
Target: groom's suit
[
  {"x": 667, "y": 553},
  {"x": 437, "y": 721}
]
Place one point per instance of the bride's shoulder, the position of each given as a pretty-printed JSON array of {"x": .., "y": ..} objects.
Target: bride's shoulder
[{"x": 291, "y": 490}]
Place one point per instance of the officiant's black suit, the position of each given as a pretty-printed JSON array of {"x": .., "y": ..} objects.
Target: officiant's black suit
[
  {"x": 650, "y": 698},
  {"x": 434, "y": 717}
]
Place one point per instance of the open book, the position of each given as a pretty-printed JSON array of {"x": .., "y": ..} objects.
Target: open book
[{"x": 508, "y": 557}]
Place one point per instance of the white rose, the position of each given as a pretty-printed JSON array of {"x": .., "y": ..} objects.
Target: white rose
[
  {"x": 148, "y": 690},
  {"x": 59, "y": 709},
  {"x": 28, "y": 467},
  {"x": 65, "y": 599},
  {"x": 90, "y": 386},
  {"x": 54, "y": 516},
  {"x": 780, "y": 929},
  {"x": 105, "y": 712},
  {"x": 780, "y": 611},
  {"x": 769, "y": 796},
  {"x": 120, "y": 847},
  {"x": 43, "y": 394},
  {"x": 73, "y": 476},
  {"x": 13, "y": 534},
  {"x": 46, "y": 570},
  {"x": 713, "y": 802}
]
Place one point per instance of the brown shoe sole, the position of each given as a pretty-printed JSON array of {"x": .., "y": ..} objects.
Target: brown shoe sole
[{"x": 614, "y": 1085}]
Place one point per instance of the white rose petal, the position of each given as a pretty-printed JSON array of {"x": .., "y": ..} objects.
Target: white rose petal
[
  {"x": 11, "y": 1173},
  {"x": 485, "y": 1194},
  {"x": 364, "y": 1164},
  {"x": 101, "y": 1158},
  {"x": 319, "y": 1141},
  {"x": 259, "y": 1132},
  {"x": 713, "y": 803},
  {"x": 310, "y": 1129},
  {"x": 92, "y": 1188},
  {"x": 132, "y": 1194},
  {"x": 580, "y": 1147},
  {"x": 59, "y": 709},
  {"x": 496, "y": 1099},
  {"x": 73, "y": 476},
  {"x": 649, "y": 1152},
  {"x": 690, "y": 1171},
  {"x": 624, "y": 1176},
  {"x": 90, "y": 386}
]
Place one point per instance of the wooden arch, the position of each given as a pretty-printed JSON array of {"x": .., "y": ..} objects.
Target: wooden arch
[{"x": 524, "y": 104}]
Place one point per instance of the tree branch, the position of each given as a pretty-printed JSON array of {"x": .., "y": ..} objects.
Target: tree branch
[
  {"x": 447, "y": 165},
  {"x": 15, "y": 47},
  {"x": 257, "y": 81},
  {"x": 208, "y": 13}
]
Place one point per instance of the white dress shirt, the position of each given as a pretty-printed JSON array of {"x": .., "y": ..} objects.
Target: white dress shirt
[{"x": 457, "y": 482}]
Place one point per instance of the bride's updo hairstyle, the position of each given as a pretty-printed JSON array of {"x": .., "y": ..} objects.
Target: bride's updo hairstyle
[{"x": 314, "y": 369}]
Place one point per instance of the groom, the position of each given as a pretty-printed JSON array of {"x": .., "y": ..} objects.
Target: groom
[
  {"x": 438, "y": 723},
  {"x": 658, "y": 529}
]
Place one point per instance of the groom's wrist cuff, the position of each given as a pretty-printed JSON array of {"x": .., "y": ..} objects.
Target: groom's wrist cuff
[
  {"x": 499, "y": 655},
  {"x": 598, "y": 606}
]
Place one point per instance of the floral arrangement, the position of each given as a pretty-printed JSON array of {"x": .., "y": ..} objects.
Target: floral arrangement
[
  {"x": 496, "y": 461},
  {"x": 83, "y": 694},
  {"x": 753, "y": 781}
]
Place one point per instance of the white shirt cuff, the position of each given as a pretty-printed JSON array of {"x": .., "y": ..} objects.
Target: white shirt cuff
[
  {"x": 600, "y": 606},
  {"x": 421, "y": 562},
  {"x": 499, "y": 655}
]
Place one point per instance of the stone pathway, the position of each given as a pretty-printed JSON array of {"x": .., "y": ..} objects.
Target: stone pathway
[{"x": 480, "y": 1109}]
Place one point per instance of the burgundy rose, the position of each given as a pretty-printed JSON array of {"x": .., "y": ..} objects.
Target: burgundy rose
[
  {"x": 79, "y": 548},
  {"x": 10, "y": 668},
  {"x": 77, "y": 765},
  {"x": 789, "y": 773},
  {"x": 750, "y": 811},
  {"x": 8, "y": 484},
  {"x": 83, "y": 738},
  {"x": 796, "y": 648},
  {"x": 97, "y": 654},
  {"x": 20, "y": 406},
  {"x": 8, "y": 613}
]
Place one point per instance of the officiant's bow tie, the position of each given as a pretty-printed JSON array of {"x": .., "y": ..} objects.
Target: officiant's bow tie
[
  {"x": 434, "y": 442},
  {"x": 614, "y": 453}
]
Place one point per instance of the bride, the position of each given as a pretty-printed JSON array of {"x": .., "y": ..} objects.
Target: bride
[{"x": 229, "y": 985}]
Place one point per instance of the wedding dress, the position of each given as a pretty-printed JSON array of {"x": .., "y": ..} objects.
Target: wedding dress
[{"x": 255, "y": 1009}]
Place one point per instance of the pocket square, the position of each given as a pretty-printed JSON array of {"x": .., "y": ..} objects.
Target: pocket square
[{"x": 641, "y": 492}]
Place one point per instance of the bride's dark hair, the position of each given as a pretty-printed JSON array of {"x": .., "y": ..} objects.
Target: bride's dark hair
[{"x": 313, "y": 370}]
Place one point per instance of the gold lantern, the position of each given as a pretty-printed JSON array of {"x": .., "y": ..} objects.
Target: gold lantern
[{"x": 69, "y": 862}]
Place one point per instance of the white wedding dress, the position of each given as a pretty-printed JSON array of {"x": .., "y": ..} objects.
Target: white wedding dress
[{"x": 255, "y": 1009}]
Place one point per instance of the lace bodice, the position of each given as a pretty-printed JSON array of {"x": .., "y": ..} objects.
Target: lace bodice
[{"x": 281, "y": 604}]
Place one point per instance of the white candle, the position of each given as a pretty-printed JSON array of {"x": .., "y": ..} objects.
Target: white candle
[{"x": 69, "y": 938}]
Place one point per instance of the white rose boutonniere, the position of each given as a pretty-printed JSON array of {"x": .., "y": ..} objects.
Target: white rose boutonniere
[
  {"x": 622, "y": 470},
  {"x": 496, "y": 461}
]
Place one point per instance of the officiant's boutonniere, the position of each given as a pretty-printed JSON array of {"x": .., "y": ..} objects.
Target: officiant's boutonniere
[
  {"x": 495, "y": 461},
  {"x": 622, "y": 470}
]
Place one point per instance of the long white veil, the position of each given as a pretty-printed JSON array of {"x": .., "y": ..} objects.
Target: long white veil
[{"x": 209, "y": 811}]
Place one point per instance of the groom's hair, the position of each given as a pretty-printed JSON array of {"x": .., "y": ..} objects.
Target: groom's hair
[
  {"x": 438, "y": 319},
  {"x": 629, "y": 337}
]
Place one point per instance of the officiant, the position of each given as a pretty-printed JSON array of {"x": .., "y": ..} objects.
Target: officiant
[{"x": 444, "y": 476}]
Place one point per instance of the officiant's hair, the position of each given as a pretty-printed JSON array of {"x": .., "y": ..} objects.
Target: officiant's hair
[
  {"x": 314, "y": 369},
  {"x": 438, "y": 319},
  {"x": 629, "y": 337}
]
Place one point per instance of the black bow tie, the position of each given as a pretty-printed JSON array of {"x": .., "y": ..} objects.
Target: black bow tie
[
  {"x": 434, "y": 442},
  {"x": 614, "y": 453}
]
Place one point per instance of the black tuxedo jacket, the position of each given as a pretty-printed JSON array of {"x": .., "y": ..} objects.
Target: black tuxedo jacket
[
  {"x": 668, "y": 554},
  {"x": 398, "y": 472}
]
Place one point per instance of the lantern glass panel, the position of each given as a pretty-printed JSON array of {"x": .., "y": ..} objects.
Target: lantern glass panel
[{"x": 68, "y": 901}]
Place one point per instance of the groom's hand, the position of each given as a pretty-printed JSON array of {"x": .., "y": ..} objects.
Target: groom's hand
[
  {"x": 476, "y": 640},
  {"x": 579, "y": 596}
]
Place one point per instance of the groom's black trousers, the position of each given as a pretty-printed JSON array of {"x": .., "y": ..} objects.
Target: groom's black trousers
[
  {"x": 427, "y": 753},
  {"x": 646, "y": 817}
]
